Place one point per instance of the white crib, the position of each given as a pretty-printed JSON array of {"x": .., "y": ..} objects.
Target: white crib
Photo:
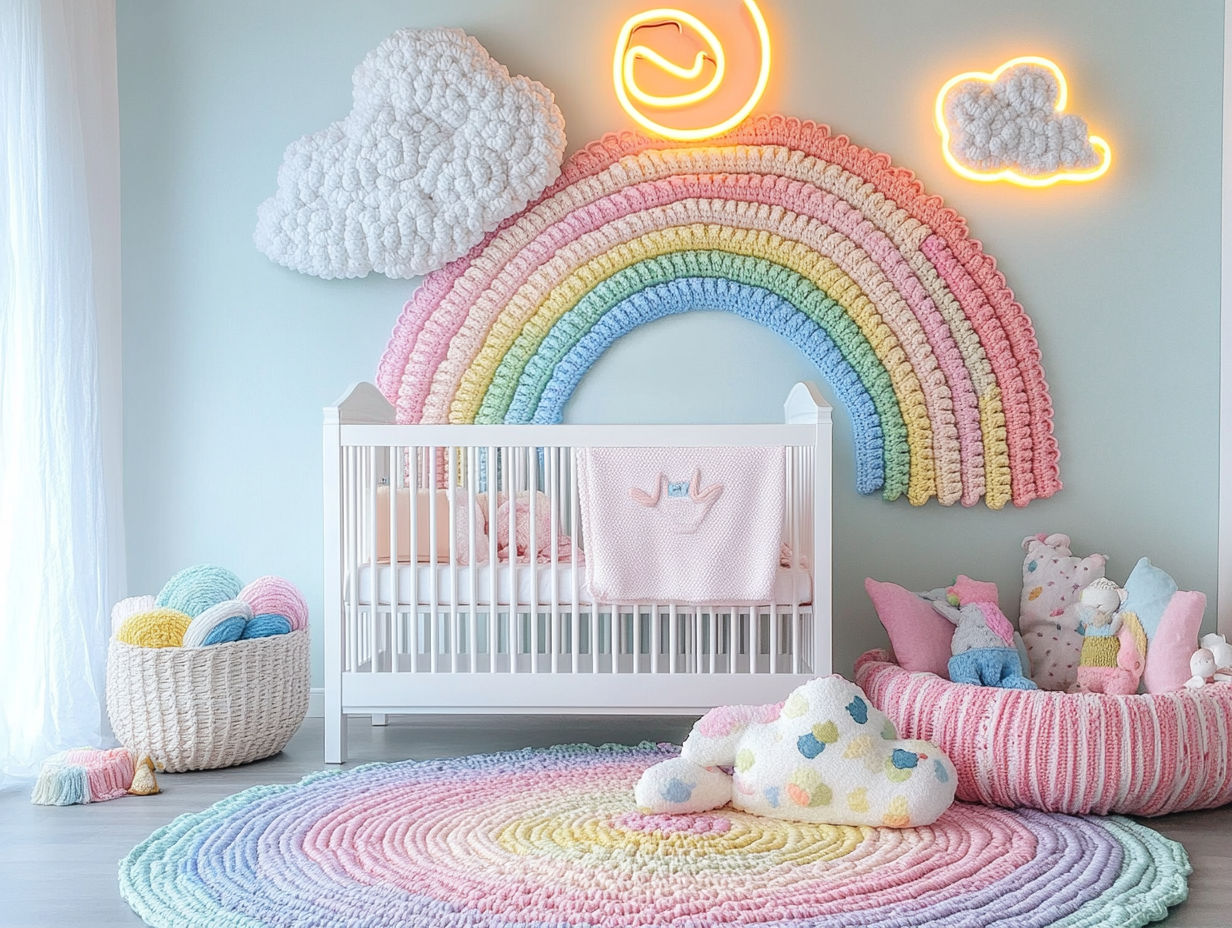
[{"x": 436, "y": 631}]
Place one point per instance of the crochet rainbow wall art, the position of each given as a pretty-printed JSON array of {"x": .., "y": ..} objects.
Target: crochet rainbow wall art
[{"x": 781, "y": 221}]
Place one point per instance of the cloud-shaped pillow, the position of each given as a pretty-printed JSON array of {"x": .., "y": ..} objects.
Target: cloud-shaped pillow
[
  {"x": 1011, "y": 121},
  {"x": 440, "y": 146},
  {"x": 825, "y": 755}
]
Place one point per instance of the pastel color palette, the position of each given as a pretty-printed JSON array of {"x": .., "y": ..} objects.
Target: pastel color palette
[
  {"x": 552, "y": 837},
  {"x": 828, "y": 244}
]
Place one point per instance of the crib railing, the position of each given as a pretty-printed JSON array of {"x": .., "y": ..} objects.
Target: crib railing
[{"x": 455, "y": 579}]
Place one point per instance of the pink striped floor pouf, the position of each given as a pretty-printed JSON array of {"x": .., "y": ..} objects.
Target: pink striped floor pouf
[{"x": 1060, "y": 752}]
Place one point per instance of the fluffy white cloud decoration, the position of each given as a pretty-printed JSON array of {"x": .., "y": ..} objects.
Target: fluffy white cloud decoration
[
  {"x": 440, "y": 146},
  {"x": 1012, "y": 123}
]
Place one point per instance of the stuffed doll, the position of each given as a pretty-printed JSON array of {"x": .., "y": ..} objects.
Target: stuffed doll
[
  {"x": 983, "y": 650},
  {"x": 1113, "y": 642},
  {"x": 1211, "y": 663}
]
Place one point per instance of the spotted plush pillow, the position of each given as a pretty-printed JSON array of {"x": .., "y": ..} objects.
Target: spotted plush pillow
[{"x": 1052, "y": 579}]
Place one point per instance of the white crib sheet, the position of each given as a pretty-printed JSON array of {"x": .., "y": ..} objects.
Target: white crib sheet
[{"x": 785, "y": 581}]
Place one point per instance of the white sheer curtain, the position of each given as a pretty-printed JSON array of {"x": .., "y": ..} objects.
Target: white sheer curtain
[{"x": 61, "y": 540}]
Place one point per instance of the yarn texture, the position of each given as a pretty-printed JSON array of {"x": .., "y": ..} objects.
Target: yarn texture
[
  {"x": 207, "y": 627},
  {"x": 274, "y": 595},
  {"x": 552, "y": 838},
  {"x": 262, "y": 626},
  {"x": 158, "y": 628},
  {"x": 1012, "y": 123},
  {"x": 440, "y": 146},
  {"x": 826, "y": 243},
  {"x": 1080, "y": 753},
  {"x": 131, "y": 606},
  {"x": 195, "y": 589}
]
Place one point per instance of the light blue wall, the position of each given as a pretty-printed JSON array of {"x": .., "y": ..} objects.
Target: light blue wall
[{"x": 229, "y": 358}]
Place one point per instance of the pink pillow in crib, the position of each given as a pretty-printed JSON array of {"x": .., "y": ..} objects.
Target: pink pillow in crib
[{"x": 919, "y": 635}]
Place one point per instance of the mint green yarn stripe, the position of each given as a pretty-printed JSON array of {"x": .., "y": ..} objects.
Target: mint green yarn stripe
[
  {"x": 527, "y": 367},
  {"x": 1154, "y": 872}
]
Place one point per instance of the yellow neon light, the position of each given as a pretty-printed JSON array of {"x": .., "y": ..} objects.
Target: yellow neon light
[
  {"x": 1009, "y": 174},
  {"x": 627, "y": 88}
]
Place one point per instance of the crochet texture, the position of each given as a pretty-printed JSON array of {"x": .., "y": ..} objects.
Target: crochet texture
[
  {"x": 1012, "y": 123},
  {"x": 552, "y": 837},
  {"x": 441, "y": 145},
  {"x": 826, "y": 243}
]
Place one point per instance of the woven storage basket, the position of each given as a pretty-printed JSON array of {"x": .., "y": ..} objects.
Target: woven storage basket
[{"x": 203, "y": 708}]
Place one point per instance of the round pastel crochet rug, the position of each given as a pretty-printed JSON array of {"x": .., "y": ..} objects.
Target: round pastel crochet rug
[{"x": 552, "y": 837}]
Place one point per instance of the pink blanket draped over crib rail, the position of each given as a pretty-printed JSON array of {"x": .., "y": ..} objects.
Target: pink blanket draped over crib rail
[{"x": 697, "y": 525}]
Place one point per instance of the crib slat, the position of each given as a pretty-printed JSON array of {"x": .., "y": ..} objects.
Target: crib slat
[
  {"x": 515, "y": 621},
  {"x": 532, "y": 479},
  {"x": 451, "y": 521},
  {"x": 472, "y": 479},
  {"x": 395, "y": 626},
  {"x": 352, "y": 558},
  {"x": 793, "y": 459},
  {"x": 553, "y": 513},
  {"x": 413, "y": 474},
  {"x": 493, "y": 563},
  {"x": 433, "y": 579},
  {"x": 575, "y": 606},
  {"x": 674, "y": 634}
]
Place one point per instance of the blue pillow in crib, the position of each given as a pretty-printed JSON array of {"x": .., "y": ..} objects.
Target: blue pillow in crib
[{"x": 263, "y": 626}]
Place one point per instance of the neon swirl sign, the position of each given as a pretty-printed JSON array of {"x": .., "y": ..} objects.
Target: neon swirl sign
[{"x": 628, "y": 90}]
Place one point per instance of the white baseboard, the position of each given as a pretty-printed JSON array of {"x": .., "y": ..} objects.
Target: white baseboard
[{"x": 316, "y": 702}]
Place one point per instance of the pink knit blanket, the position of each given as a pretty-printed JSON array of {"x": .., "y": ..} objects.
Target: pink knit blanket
[{"x": 694, "y": 525}]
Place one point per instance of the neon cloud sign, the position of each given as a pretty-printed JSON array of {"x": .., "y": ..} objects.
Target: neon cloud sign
[
  {"x": 1098, "y": 145},
  {"x": 628, "y": 90}
]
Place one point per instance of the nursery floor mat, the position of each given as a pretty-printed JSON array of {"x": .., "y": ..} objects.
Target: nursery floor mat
[{"x": 552, "y": 837}]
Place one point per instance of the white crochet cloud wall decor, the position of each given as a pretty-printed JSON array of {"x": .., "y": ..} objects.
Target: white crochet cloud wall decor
[
  {"x": 440, "y": 146},
  {"x": 1010, "y": 125}
]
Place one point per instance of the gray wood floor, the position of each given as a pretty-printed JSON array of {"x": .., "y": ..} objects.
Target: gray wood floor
[{"x": 58, "y": 865}]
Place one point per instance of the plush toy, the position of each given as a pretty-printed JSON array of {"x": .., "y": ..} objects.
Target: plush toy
[
  {"x": 983, "y": 650},
  {"x": 1052, "y": 578},
  {"x": 1113, "y": 642},
  {"x": 1202, "y": 666},
  {"x": 1221, "y": 651},
  {"x": 825, "y": 755},
  {"x": 144, "y": 782}
]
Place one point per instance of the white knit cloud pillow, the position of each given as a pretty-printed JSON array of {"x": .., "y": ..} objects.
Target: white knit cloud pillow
[
  {"x": 1012, "y": 123},
  {"x": 440, "y": 146}
]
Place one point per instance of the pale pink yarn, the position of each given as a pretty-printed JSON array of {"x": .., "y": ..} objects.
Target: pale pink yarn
[
  {"x": 108, "y": 773},
  {"x": 273, "y": 595},
  {"x": 1076, "y": 753}
]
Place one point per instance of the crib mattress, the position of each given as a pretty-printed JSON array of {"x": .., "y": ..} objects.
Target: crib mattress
[{"x": 790, "y": 585}]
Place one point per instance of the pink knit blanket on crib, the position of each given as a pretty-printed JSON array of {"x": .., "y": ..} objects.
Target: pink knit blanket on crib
[{"x": 695, "y": 525}]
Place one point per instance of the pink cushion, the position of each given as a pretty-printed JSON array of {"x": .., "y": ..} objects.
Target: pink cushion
[
  {"x": 1077, "y": 753},
  {"x": 919, "y": 635},
  {"x": 1167, "y": 657}
]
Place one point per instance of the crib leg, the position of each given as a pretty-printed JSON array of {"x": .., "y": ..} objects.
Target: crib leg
[
  {"x": 379, "y": 718},
  {"x": 335, "y": 735}
]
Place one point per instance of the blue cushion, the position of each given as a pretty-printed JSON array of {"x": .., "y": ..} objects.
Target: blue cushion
[{"x": 1149, "y": 590}]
